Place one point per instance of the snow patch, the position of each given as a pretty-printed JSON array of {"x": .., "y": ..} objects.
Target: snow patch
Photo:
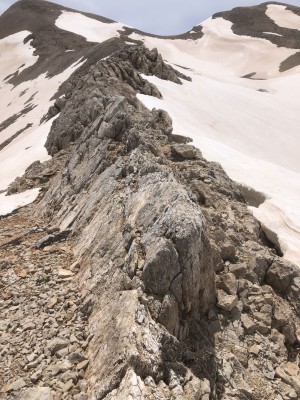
[
  {"x": 283, "y": 17},
  {"x": 21, "y": 152},
  {"x": 91, "y": 29},
  {"x": 15, "y": 55},
  {"x": 8, "y": 204}
]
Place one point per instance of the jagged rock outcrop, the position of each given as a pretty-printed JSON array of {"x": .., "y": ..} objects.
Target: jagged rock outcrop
[
  {"x": 184, "y": 297},
  {"x": 125, "y": 66}
]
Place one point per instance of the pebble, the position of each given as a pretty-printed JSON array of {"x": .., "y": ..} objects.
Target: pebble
[
  {"x": 16, "y": 385},
  {"x": 65, "y": 273}
]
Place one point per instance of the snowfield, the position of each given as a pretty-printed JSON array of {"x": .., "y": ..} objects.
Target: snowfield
[
  {"x": 89, "y": 28},
  {"x": 250, "y": 126}
]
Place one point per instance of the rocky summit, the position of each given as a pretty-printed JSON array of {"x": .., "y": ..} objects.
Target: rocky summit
[{"x": 138, "y": 270}]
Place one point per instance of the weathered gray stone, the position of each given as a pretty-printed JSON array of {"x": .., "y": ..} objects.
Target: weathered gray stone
[
  {"x": 228, "y": 283},
  {"x": 16, "y": 385},
  {"x": 280, "y": 275},
  {"x": 57, "y": 344},
  {"x": 225, "y": 301},
  {"x": 37, "y": 393}
]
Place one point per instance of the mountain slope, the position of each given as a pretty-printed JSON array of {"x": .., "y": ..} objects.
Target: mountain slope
[
  {"x": 139, "y": 271},
  {"x": 240, "y": 109}
]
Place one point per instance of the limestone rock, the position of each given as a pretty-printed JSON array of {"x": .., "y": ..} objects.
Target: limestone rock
[
  {"x": 57, "y": 344},
  {"x": 225, "y": 301},
  {"x": 37, "y": 393}
]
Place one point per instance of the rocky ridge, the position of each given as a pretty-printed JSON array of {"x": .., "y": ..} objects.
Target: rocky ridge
[{"x": 185, "y": 298}]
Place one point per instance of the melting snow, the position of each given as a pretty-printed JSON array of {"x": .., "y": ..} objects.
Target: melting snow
[
  {"x": 283, "y": 17},
  {"x": 89, "y": 28},
  {"x": 250, "y": 126},
  {"x": 10, "y": 203},
  {"x": 15, "y": 55}
]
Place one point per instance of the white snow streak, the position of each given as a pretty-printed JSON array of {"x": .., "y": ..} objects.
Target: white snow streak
[
  {"x": 283, "y": 17},
  {"x": 10, "y": 203},
  {"x": 89, "y": 28},
  {"x": 272, "y": 33}
]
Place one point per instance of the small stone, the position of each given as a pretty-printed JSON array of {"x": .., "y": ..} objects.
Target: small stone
[
  {"x": 292, "y": 394},
  {"x": 36, "y": 376},
  {"x": 82, "y": 364},
  {"x": 73, "y": 339},
  {"x": 31, "y": 357},
  {"x": 75, "y": 358},
  {"x": 34, "y": 363},
  {"x": 248, "y": 323},
  {"x": 239, "y": 270},
  {"x": 228, "y": 283},
  {"x": 16, "y": 385},
  {"x": 37, "y": 393},
  {"x": 81, "y": 396},
  {"x": 4, "y": 325},
  {"x": 255, "y": 349},
  {"x": 67, "y": 386},
  {"x": 62, "y": 353},
  {"x": 52, "y": 303},
  {"x": 72, "y": 348},
  {"x": 183, "y": 152},
  {"x": 28, "y": 326},
  {"x": 225, "y": 301},
  {"x": 61, "y": 367},
  {"x": 52, "y": 229},
  {"x": 228, "y": 251},
  {"x": 65, "y": 273},
  {"x": 83, "y": 385},
  {"x": 57, "y": 344},
  {"x": 75, "y": 266}
]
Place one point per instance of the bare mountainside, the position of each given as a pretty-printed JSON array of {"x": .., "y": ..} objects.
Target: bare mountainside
[{"x": 135, "y": 269}]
